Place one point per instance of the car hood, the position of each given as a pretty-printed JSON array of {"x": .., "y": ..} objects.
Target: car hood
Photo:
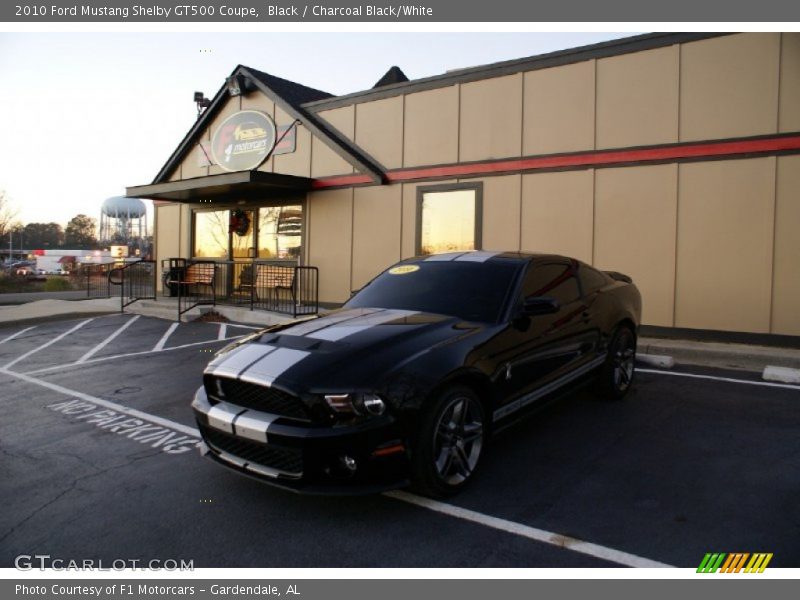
[{"x": 348, "y": 348}]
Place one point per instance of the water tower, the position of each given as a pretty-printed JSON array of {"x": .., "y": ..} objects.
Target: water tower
[{"x": 122, "y": 220}]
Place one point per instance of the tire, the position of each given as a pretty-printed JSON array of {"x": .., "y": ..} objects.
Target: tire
[
  {"x": 450, "y": 443},
  {"x": 618, "y": 371}
]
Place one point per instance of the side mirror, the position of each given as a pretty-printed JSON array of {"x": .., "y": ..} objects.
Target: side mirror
[{"x": 539, "y": 305}]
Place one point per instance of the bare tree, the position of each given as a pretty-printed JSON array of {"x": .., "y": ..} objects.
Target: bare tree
[{"x": 8, "y": 214}]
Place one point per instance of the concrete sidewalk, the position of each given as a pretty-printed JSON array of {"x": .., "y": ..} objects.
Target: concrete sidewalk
[
  {"x": 713, "y": 354},
  {"x": 25, "y": 297}
]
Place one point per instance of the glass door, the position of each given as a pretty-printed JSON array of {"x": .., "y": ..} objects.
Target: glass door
[{"x": 243, "y": 252}]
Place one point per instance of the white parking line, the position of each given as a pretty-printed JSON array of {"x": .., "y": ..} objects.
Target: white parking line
[
  {"x": 106, "y": 341},
  {"x": 715, "y": 378},
  {"x": 45, "y": 345},
  {"x": 15, "y": 335},
  {"x": 160, "y": 344},
  {"x": 106, "y": 403},
  {"x": 223, "y": 331},
  {"x": 126, "y": 355},
  {"x": 532, "y": 533}
]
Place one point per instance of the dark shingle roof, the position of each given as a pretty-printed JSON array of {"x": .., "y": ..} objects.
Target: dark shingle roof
[
  {"x": 393, "y": 75},
  {"x": 293, "y": 93}
]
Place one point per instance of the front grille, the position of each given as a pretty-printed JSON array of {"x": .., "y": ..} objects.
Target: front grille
[
  {"x": 288, "y": 460},
  {"x": 265, "y": 399}
]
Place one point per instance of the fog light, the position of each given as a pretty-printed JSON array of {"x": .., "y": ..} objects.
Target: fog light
[
  {"x": 374, "y": 404},
  {"x": 349, "y": 463}
]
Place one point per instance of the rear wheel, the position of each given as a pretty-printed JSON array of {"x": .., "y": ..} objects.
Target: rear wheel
[
  {"x": 450, "y": 442},
  {"x": 617, "y": 373}
]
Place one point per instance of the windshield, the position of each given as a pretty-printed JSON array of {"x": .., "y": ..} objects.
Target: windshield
[{"x": 472, "y": 291}]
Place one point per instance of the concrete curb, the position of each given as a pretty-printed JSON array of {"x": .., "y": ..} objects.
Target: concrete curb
[
  {"x": 661, "y": 361},
  {"x": 744, "y": 357},
  {"x": 781, "y": 374}
]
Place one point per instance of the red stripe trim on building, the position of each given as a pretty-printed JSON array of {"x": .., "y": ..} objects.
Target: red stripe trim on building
[
  {"x": 340, "y": 181},
  {"x": 703, "y": 150}
]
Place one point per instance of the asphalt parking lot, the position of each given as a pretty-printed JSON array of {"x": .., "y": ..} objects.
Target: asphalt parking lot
[{"x": 99, "y": 461}]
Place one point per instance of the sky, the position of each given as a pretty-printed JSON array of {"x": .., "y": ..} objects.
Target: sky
[{"x": 83, "y": 115}]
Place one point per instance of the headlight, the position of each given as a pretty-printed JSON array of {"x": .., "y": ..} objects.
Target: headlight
[{"x": 356, "y": 404}]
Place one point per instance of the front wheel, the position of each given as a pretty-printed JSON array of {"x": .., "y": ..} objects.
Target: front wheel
[
  {"x": 617, "y": 373},
  {"x": 450, "y": 442}
]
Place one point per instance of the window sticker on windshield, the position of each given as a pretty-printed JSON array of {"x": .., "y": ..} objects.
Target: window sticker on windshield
[{"x": 403, "y": 269}]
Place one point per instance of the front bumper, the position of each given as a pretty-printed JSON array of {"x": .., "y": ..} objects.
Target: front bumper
[{"x": 363, "y": 458}]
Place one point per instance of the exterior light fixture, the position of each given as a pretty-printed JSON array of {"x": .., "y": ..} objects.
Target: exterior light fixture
[{"x": 202, "y": 102}]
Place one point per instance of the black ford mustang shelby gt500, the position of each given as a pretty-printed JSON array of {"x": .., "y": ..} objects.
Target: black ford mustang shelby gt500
[{"x": 406, "y": 381}]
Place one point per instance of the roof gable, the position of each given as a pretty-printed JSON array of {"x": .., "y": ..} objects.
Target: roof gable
[{"x": 289, "y": 97}]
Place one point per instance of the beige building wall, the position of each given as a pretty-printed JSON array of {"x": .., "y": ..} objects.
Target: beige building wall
[
  {"x": 501, "y": 211},
  {"x": 191, "y": 166},
  {"x": 729, "y": 86},
  {"x": 559, "y": 109},
  {"x": 491, "y": 118},
  {"x": 789, "y": 114},
  {"x": 324, "y": 161},
  {"x": 786, "y": 281},
  {"x": 726, "y": 212},
  {"x": 431, "y": 127},
  {"x": 258, "y": 101},
  {"x": 298, "y": 162},
  {"x": 637, "y": 98},
  {"x": 376, "y": 231},
  {"x": 557, "y": 213},
  {"x": 167, "y": 223},
  {"x": 635, "y": 225},
  {"x": 330, "y": 243},
  {"x": 379, "y": 130}
]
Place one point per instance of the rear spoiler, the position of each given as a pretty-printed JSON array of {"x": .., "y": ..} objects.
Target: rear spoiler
[{"x": 618, "y": 276}]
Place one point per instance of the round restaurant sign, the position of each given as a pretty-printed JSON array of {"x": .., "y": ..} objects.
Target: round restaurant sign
[{"x": 243, "y": 140}]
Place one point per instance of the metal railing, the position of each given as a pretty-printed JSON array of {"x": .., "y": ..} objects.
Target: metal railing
[
  {"x": 256, "y": 284},
  {"x": 136, "y": 281},
  {"x": 132, "y": 281},
  {"x": 96, "y": 280}
]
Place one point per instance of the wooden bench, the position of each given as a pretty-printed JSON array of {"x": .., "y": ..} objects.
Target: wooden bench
[
  {"x": 197, "y": 275},
  {"x": 271, "y": 278}
]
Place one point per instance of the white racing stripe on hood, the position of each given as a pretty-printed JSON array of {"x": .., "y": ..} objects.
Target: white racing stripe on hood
[
  {"x": 267, "y": 370},
  {"x": 307, "y": 327},
  {"x": 338, "y": 332},
  {"x": 478, "y": 256},
  {"x": 239, "y": 359}
]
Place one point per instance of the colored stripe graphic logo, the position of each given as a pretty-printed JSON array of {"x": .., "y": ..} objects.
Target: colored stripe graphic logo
[{"x": 721, "y": 562}]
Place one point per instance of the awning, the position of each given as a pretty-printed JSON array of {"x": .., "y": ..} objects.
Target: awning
[{"x": 242, "y": 185}]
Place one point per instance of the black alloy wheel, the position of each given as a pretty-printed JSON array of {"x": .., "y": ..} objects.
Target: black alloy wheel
[
  {"x": 450, "y": 443},
  {"x": 617, "y": 374}
]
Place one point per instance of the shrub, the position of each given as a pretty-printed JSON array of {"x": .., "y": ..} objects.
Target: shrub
[{"x": 57, "y": 284}]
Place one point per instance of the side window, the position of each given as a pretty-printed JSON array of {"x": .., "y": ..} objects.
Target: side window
[
  {"x": 591, "y": 279},
  {"x": 556, "y": 280},
  {"x": 449, "y": 218}
]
